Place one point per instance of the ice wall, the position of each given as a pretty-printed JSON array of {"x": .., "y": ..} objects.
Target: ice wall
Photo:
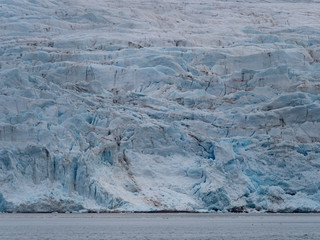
[{"x": 140, "y": 105}]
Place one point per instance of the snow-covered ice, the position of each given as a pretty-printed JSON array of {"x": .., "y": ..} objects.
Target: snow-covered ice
[{"x": 159, "y": 105}]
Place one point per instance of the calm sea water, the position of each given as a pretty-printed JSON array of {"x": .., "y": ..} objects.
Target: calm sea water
[{"x": 159, "y": 226}]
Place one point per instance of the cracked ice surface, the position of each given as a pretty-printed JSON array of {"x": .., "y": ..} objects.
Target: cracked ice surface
[{"x": 159, "y": 105}]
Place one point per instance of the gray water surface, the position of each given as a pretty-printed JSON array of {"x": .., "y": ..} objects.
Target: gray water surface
[{"x": 159, "y": 226}]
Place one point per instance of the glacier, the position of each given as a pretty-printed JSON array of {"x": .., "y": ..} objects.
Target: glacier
[{"x": 159, "y": 105}]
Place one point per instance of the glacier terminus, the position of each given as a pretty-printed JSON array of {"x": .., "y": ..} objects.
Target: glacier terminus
[{"x": 163, "y": 105}]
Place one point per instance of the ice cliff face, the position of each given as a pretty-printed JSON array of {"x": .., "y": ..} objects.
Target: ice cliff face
[{"x": 159, "y": 105}]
